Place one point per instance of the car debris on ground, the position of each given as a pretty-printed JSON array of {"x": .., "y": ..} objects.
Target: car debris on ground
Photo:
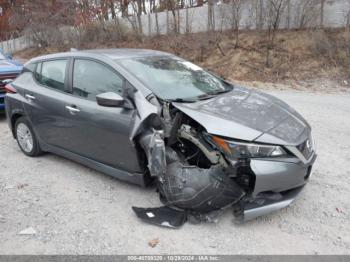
[{"x": 28, "y": 231}]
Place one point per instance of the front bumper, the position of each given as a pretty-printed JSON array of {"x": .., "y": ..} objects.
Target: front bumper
[
  {"x": 264, "y": 204},
  {"x": 277, "y": 184}
]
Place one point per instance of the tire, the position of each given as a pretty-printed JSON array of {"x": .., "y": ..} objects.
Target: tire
[{"x": 26, "y": 138}]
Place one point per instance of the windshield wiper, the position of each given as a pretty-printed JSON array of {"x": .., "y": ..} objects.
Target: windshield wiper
[
  {"x": 221, "y": 91},
  {"x": 212, "y": 94},
  {"x": 182, "y": 100},
  {"x": 205, "y": 96},
  {"x": 200, "y": 97}
]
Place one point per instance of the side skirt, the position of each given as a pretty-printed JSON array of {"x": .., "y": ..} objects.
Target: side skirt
[{"x": 133, "y": 178}]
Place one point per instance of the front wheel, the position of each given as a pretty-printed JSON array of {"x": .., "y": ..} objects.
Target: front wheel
[{"x": 26, "y": 138}]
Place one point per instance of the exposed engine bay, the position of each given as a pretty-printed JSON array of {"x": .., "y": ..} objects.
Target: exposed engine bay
[
  {"x": 203, "y": 164},
  {"x": 192, "y": 176}
]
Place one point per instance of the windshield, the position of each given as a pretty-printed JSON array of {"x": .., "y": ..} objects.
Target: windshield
[{"x": 171, "y": 78}]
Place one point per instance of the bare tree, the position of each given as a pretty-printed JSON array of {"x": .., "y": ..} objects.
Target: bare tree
[
  {"x": 44, "y": 20},
  {"x": 347, "y": 14},
  {"x": 261, "y": 13},
  {"x": 156, "y": 23},
  {"x": 322, "y": 13},
  {"x": 236, "y": 18},
  {"x": 275, "y": 10},
  {"x": 124, "y": 7},
  {"x": 211, "y": 17},
  {"x": 172, "y": 6},
  {"x": 306, "y": 13},
  {"x": 136, "y": 22}
]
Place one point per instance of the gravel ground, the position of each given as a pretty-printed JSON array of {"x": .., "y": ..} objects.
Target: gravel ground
[{"x": 75, "y": 210}]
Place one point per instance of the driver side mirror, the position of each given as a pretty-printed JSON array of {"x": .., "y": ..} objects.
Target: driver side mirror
[{"x": 110, "y": 99}]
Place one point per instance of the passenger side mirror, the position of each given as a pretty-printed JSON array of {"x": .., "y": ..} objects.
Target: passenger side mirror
[{"x": 110, "y": 99}]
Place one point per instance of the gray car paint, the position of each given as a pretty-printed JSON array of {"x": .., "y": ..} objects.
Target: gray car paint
[
  {"x": 249, "y": 115},
  {"x": 279, "y": 175},
  {"x": 57, "y": 127}
]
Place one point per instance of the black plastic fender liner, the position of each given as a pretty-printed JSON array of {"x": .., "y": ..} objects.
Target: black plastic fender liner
[
  {"x": 154, "y": 147},
  {"x": 162, "y": 216},
  {"x": 200, "y": 190}
]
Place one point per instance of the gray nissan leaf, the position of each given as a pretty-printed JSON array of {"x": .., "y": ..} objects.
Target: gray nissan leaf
[{"x": 152, "y": 118}]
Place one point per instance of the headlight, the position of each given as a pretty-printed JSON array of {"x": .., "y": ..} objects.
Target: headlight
[{"x": 237, "y": 150}]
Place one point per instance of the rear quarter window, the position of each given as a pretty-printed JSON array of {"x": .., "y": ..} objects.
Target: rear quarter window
[
  {"x": 29, "y": 68},
  {"x": 52, "y": 74}
]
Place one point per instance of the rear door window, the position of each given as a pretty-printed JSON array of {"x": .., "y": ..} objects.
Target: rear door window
[
  {"x": 91, "y": 78},
  {"x": 52, "y": 74}
]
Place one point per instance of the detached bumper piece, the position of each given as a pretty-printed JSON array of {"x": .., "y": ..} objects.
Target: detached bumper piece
[
  {"x": 161, "y": 216},
  {"x": 264, "y": 204},
  {"x": 191, "y": 193}
]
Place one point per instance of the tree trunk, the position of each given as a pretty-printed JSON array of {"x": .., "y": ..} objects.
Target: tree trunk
[
  {"x": 322, "y": 14},
  {"x": 288, "y": 14},
  {"x": 124, "y": 7},
  {"x": 210, "y": 16},
  {"x": 261, "y": 9},
  {"x": 112, "y": 7},
  {"x": 237, "y": 37},
  {"x": 187, "y": 22},
  {"x": 157, "y": 25}
]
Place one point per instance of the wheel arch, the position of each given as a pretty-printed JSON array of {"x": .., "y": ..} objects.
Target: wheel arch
[{"x": 14, "y": 118}]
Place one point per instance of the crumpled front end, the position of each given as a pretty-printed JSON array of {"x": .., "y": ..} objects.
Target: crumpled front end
[{"x": 197, "y": 180}]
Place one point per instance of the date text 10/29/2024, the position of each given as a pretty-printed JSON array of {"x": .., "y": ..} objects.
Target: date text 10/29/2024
[{"x": 173, "y": 258}]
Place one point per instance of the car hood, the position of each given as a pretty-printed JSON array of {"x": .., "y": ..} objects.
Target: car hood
[
  {"x": 249, "y": 115},
  {"x": 9, "y": 66}
]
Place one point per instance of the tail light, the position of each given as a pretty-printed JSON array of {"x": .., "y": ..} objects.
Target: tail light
[{"x": 10, "y": 89}]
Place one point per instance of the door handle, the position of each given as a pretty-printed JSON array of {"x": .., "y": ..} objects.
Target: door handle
[
  {"x": 30, "y": 97},
  {"x": 72, "y": 109}
]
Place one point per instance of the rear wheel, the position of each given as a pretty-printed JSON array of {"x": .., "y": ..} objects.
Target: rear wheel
[{"x": 26, "y": 138}]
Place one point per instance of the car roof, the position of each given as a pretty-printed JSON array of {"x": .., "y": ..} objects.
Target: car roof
[{"x": 116, "y": 53}]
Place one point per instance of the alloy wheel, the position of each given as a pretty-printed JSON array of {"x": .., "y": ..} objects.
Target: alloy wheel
[{"x": 25, "y": 137}]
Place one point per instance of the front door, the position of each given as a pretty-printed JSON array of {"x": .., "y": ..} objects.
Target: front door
[{"x": 96, "y": 132}]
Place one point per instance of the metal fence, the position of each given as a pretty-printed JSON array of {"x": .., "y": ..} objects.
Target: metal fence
[
  {"x": 16, "y": 44},
  {"x": 253, "y": 15}
]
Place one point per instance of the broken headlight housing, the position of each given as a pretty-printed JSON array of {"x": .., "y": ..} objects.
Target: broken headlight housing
[{"x": 237, "y": 150}]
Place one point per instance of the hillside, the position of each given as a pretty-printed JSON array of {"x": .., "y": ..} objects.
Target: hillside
[{"x": 301, "y": 59}]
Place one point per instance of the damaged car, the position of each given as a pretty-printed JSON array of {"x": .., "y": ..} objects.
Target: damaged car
[
  {"x": 152, "y": 118},
  {"x": 9, "y": 70}
]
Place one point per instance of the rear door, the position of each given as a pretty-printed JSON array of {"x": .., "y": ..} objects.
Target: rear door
[
  {"x": 46, "y": 99},
  {"x": 96, "y": 132}
]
